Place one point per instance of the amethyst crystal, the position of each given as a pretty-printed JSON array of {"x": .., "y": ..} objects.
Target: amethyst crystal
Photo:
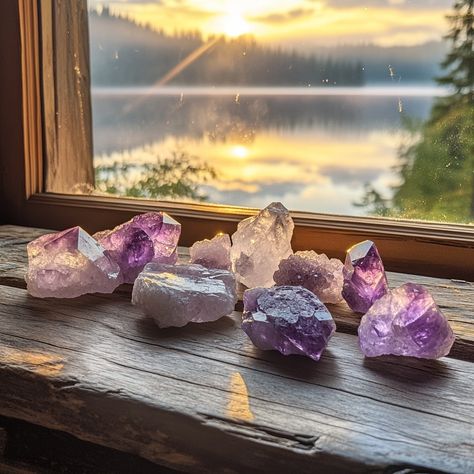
[
  {"x": 174, "y": 295},
  {"x": 364, "y": 276},
  {"x": 259, "y": 244},
  {"x": 407, "y": 322},
  {"x": 214, "y": 253},
  {"x": 69, "y": 264},
  {"x": 147, "y": 237},
  {"x": 317, "y": 273},
  {"x": 289, "y": 319}
]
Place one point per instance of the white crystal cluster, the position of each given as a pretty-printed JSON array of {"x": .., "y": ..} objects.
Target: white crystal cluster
[
  {"x": 260, "y": 243},
  {"x": 174, "y": 295}
]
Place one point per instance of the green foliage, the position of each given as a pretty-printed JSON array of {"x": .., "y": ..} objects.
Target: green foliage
[
  {"x": 180, "y": 176},
  {"x": 436, "y": 168}
]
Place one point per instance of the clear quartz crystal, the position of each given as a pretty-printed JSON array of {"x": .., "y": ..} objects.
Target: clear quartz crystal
[
  {"x": 175, "y": 295},
  {"x": 260, "y": 243},
  {"x": 69, "y": 264}
]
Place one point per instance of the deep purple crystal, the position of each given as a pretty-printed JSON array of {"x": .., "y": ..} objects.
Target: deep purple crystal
[
  {"x": 289, "y": 319},
  {"x": 406, "y": 322},
  {"x": 68, "y": 264},
  {"x": 364, "y": 276},
  {"x": 150, "y": 237}
]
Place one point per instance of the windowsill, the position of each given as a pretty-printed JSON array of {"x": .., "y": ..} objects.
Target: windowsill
[{"x": 203, "y": 398}]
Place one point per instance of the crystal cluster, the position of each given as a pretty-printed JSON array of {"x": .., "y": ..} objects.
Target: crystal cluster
[
  {"x": 405, "y": 322},
  {"x": 69, "y": 264},
  {"x": 174, "y": 295},
  {"x": 214, "y": 253},
  {"x": 259, "y": 244},
  {"x": 317, "y": 273},
  {"x": 364, "y": 277},
  {"x": 150, "y": 237},
  {"x": 289, "y": 319}
]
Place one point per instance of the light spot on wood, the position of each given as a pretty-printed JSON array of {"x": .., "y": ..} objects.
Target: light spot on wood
[
  {"x": 238, "y": 406},
  {"x": 47, "y": 365}
]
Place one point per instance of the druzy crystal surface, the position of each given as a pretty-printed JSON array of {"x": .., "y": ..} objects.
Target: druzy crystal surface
[
  {"x": 289, "y": 319},
  {"x": 364, "y": 276},
  {"x": 147, "y": 237},
  {"x": 214, "y": 253},
  {"x": 259, "y": 244},
  {"x": 69, "y": 264},
  {"x": 406, "y": 322},
  {"x": 174, "y": 295},
  {"x": 315, "y": 272}
]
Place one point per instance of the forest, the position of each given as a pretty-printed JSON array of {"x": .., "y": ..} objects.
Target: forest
[{"x": 125, "y": 53}]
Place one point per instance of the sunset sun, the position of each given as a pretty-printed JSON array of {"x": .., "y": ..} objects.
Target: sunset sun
[{"x": 233, "y": 24}]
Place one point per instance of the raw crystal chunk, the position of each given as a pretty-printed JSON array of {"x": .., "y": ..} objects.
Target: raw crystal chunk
[
  {"x": 259, "y": 244},
  {"x": 406, "y": 322},
  {"x": 147, "y": 237},
  {"x": 317, "y": 273},
  {"x": 174, "y": 295},
  {"x": 214, "y": 253},
  {"x": 289, "y": 319},
  {"x": 364, "y": 276},
  {"x": 69, "y": 264}
]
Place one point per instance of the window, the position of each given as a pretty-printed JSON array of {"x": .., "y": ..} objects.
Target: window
[{"x": 274, "y": 130}]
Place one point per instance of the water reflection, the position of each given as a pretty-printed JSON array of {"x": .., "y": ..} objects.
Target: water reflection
[{"x": 315, "y": 153}]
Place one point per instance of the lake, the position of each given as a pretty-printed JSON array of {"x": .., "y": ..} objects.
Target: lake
[{"x": 314, "y": 149}]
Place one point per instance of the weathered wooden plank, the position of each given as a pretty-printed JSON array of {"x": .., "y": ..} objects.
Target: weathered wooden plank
[
  {"x": 456, "y": 298},
  {"x": 202, "y": 398}
]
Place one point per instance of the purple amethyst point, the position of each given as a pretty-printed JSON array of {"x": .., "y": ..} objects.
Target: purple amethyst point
[
  {"x": 150, "y": 237},
  {"x": 68, "y": 264},
  {"x": 289, "y": 319},
  {"x": 406, "y": 322},
  {"x": 364, "y": 276}
]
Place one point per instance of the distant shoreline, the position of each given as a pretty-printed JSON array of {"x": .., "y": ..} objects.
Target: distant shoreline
[{"x": 243, "y": 91}]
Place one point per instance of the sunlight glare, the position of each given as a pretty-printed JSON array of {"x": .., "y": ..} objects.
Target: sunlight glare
[
  {"x": 233, "y": 24},
  {"x": 239, "y": 151}
]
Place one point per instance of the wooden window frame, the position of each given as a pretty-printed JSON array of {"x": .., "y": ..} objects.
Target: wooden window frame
[{"x": 30, "y": 100}]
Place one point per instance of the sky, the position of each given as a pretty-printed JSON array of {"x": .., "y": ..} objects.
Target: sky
[{"x": 297, "y": 23}]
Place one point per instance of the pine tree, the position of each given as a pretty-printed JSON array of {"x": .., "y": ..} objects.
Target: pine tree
[{"x": 459, "y": 62}]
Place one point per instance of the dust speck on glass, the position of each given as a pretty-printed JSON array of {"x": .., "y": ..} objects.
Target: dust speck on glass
[{"x": 334, "y": 106}]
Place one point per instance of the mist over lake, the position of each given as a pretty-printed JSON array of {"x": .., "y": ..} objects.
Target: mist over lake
[{"x": 314, "y": 150}]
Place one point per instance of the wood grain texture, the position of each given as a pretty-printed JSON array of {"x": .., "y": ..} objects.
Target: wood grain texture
[
  {"x": 202, "y": 398},
  {"x": 455, "y": 297},
  {"x": 66, "y": 96}
]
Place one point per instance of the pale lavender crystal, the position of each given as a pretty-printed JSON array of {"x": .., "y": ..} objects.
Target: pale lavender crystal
[
  {"x": 364, "y": 276},
  {"x": 174, "y": 295},
  {"x": 150, "y": 237},
  {"x": 289, "y": 319},
  {"x": 406, "y": 322},
  {"x": 259, "y": 244},
  {"x": 316, "y": 272},
  {"x": 69, "y": 264},
  {"x": 214, "y": 253}
]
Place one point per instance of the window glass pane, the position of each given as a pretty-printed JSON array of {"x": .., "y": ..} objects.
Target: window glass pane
[{"x": 334, "y": 106}]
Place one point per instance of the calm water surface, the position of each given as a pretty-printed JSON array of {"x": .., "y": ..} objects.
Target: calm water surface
[{"x": 314, "y": 150}]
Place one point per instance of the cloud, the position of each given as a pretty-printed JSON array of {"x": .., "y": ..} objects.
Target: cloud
[
  {"x": 290, "y": 15},
  {"x": 350, "y": 176},
  {"x": 402, "y": 4}
]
